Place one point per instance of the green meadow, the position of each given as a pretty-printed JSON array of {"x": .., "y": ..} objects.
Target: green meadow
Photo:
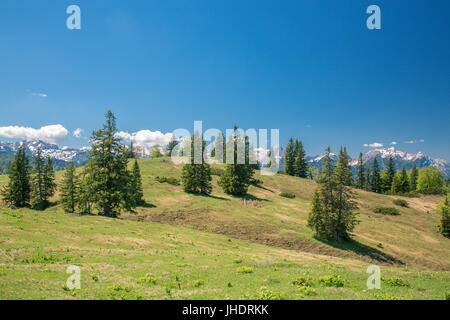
[{"x": 184, "y": 246}]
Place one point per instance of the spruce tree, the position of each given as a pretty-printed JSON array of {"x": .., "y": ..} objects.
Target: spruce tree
[
  {"x": 136, "y": 190},
  {"x": 86, "y": 191},
  {"x": 70, "y": 189},
  {"x": 289, "y": 158},
  {"x": 17, "y": 191},
  {"x": 110, "y": 177},
  {"x": 332, "y": 216},
  {"x": 237, "y": 176},
  {"x": 300, "y": 164},
  {"x": 42, "y": 182},
  {"x": 390, "y": 174},
  {"x": 344, "y": 159},
  {"x": 401, "y": 183},
  {"x": 196, "y": 177},
  {"x": 360, "y": 177},
  {"x": 344, "y": 206},
  {"x": 49, "y": 179},
  {"x": 444, "y": 211},
  {"x": 367, "y": 180},
  {"x": 413, "y": 178},
  {"x": 375, "y": 183},
  {"x": 172, "y": 144}
]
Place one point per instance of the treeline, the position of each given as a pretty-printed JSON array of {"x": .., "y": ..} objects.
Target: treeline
[
  {"x": 427, "y": 180},
  {"x": 105, "y": 184}
]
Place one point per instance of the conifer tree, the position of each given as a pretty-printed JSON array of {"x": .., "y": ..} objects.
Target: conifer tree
[
  {"x": 344, "y": 159},
  {"x": 375, "y": 183},
  {"x": 42, "y": 182},
  {"x": 389, "y": 177},
  {"x": 360, "y": 177},
  {"x": 444, "y": 211},
  {"x": 289, "y": 158},
  {"x": 237, "y": 176},
  {"x": 367, "y": 180},
  {"x": 218, "y": 152},
  {"x": 401, "y": 182},
  {"x": 109, "y": 174},
  {"x": 196, "y": 177},
  {"x": 300, "y": 164},
  {"x": 172, "y": 144},
  {"x": 86, "y": 191},
  {"x": 413, "y": 178},
  {"x": 70, "y": 189},
  {"x": 332, "y": 216},
  {"x": 17, "y": 191},
  {"x": 49, "y": 179},
  {"x": 136, "y": 190}
]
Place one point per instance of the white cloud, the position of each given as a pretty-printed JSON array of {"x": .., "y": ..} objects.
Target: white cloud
[
  {"x": 39, "y": 94},
  {"x": 77, "y": 133},
  {"x": 50, "y": 133},
  {"x": 393, "y": 143},
  {"x": 373, "y": 145},
  {"x": 415, "y": 141},
  {"x": 146, "y": 139}
]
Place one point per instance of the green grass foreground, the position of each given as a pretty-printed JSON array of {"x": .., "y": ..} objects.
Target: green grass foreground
[{"x": 183, "y": 246}]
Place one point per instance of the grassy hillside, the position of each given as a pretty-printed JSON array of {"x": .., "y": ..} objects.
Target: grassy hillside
[{"x": 121, "y": 258}]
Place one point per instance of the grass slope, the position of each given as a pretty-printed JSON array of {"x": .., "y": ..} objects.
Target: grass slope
[
  {"x": 123, "y": 259},
  {"x": 203, "y": 241}
]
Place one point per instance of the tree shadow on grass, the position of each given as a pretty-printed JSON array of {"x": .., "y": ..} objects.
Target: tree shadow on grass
[
  {"x": 249, "y": 196},
  {"x": 146, "y": 205},
  {"x": 209, "y": 196},
  {"x": 262, "y": 187},
  {"x": 364, "y": 250}
]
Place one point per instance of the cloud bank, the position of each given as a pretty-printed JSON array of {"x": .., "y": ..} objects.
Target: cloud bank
[
  {"x": 146, "y": 139},
  {"x": 51, "y": 133}
]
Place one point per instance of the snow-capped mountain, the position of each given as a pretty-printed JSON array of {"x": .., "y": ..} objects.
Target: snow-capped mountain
[
  {"x": 401, "y": 159},
  {"x": 61, "y": 156}
]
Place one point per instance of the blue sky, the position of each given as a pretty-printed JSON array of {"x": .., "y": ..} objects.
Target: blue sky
[{"x": 309, "y": 68}]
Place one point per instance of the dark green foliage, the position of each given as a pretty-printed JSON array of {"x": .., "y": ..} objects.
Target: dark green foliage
[
  {"x": 86, "y": 194},
  {"x": 389, "y": 177},
  {"x": 17, "y": 191},
  {"x": 375, "y": 181},
  {"x": 367, "y": 180},
  {"x": 109, "y": 176},
  {"x": 387, "y": 210},
  {"x": 287, "y": 195},
  {"x": 300, "y": 164},
  {"x": 196, "y": 177},
  {"x": 413, "y": 176},
  {"x": 172, "y": 181},
  {"x": 344, "y": 161},
  {"x": 360, "y": 180},
  {"x": 70, "y": 189},
  {"x": 42, "y": 182},
  {"x": 237, "y": 177},
  {"x": 332, "y": 216},
  {"x": 444, "y": 211},
  {"x": 401, "y": 203},
  {"x": 136, "y": 191},
  {"x": 289, "y": 158},
  {"x": 400, "y": 184}
]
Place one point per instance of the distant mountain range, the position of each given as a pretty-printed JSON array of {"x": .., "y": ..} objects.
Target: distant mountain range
[
  {"x": 60, "y": 156},
  {"x": 65, "y": 155},
  {"x": 401, "y": 159}
]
